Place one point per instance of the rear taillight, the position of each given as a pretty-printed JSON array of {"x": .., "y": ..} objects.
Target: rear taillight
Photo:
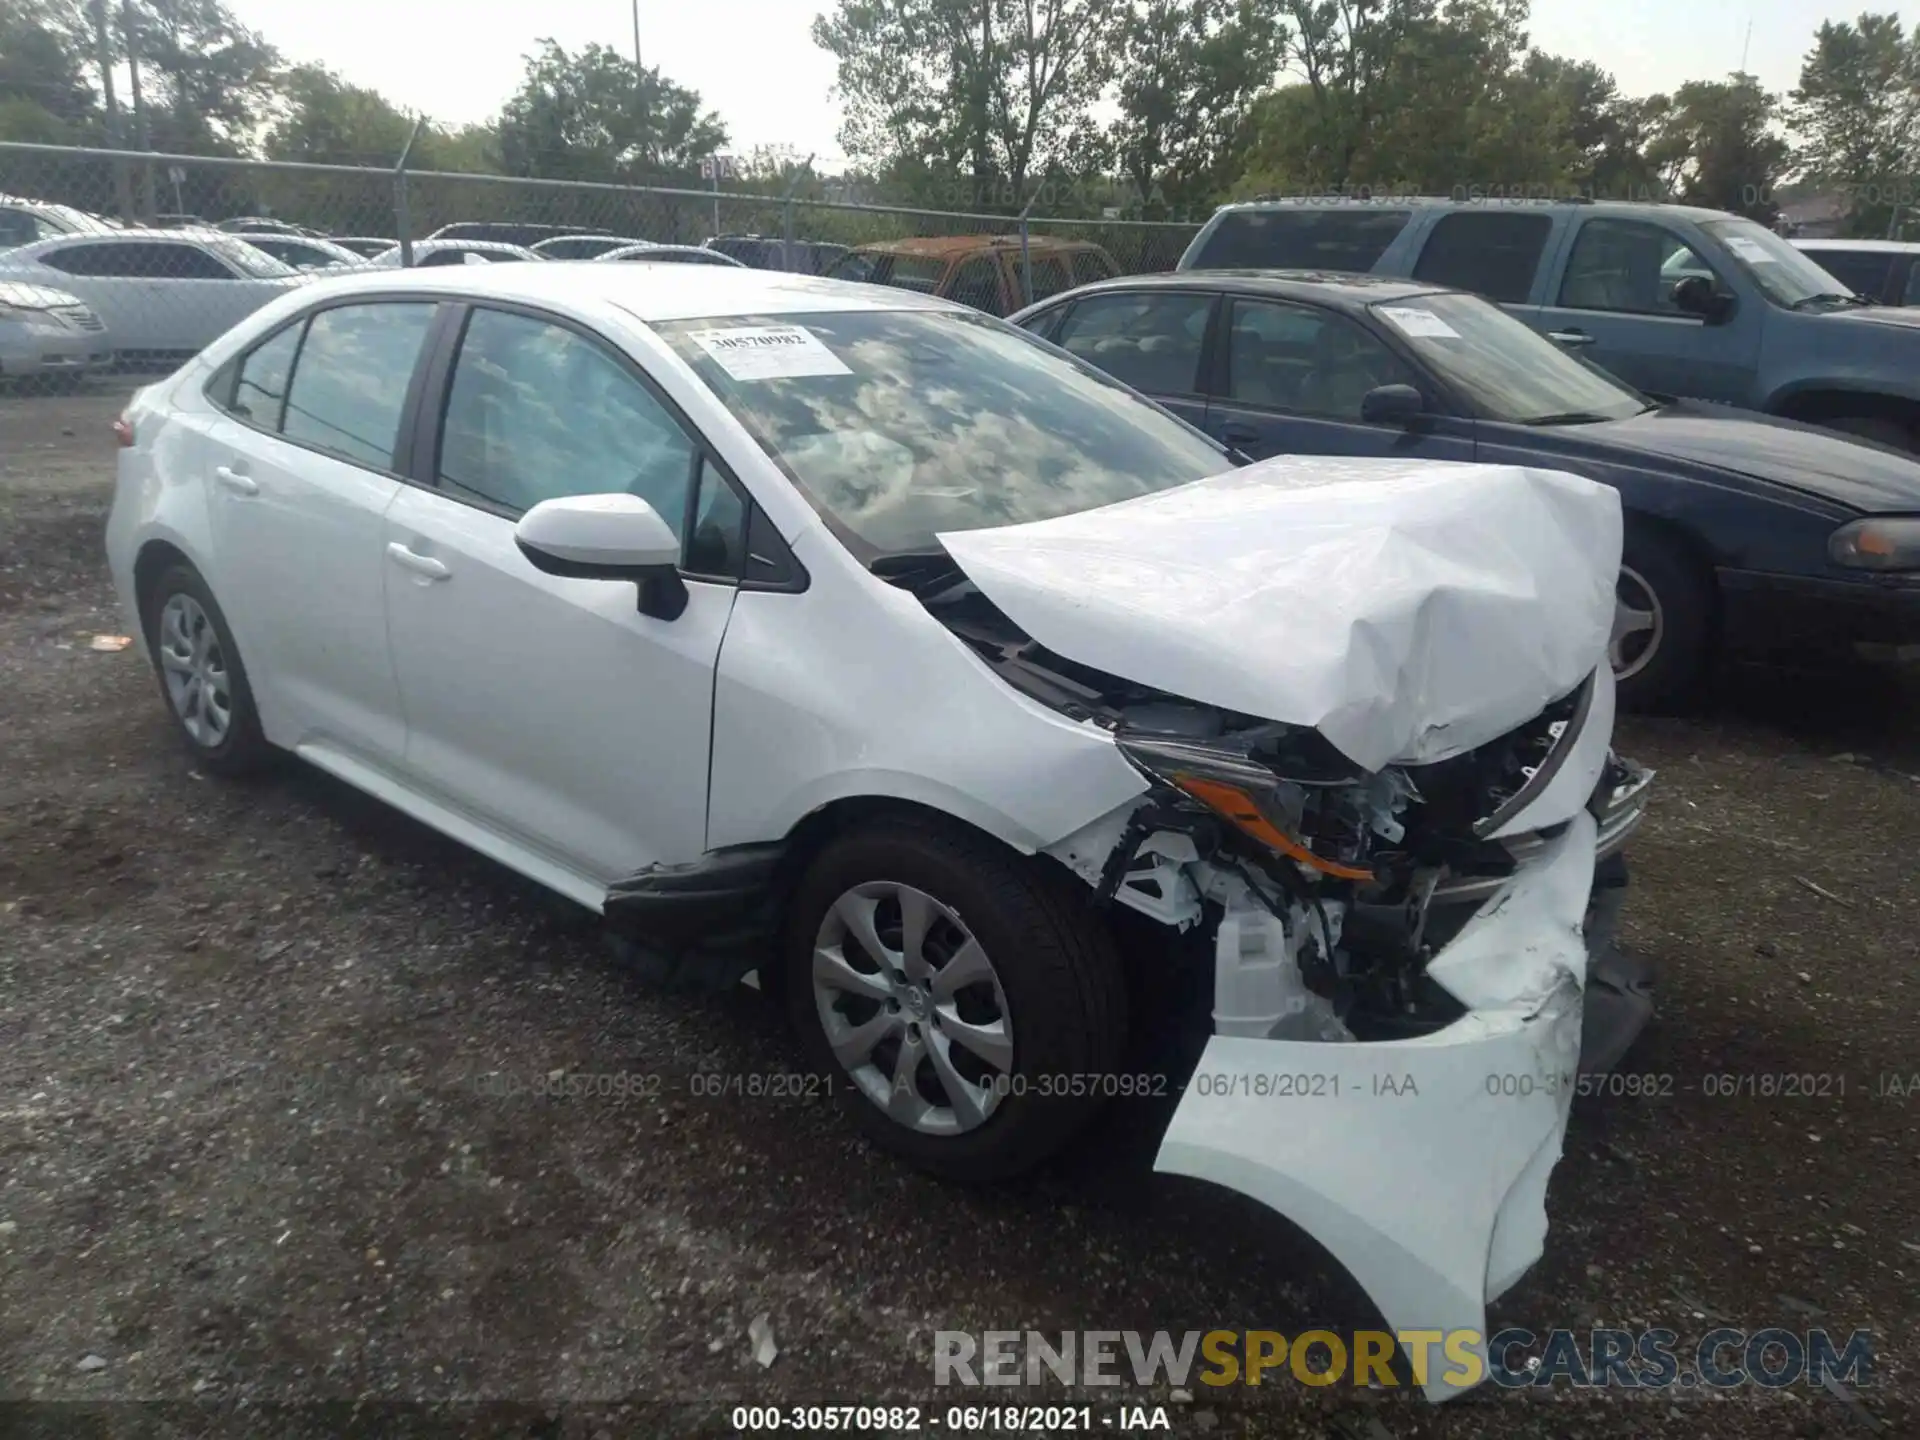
[{"x": 123, "y": 431}]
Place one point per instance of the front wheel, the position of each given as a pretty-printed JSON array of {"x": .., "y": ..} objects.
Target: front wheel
[
  {"x": 967, "y": 1001},
  {"x": 1663, "y": 622}
]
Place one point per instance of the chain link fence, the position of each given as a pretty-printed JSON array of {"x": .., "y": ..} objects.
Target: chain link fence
[{"x": 127, "y": 261}]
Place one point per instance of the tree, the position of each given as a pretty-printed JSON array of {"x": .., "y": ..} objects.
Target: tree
[
  {"x": 44, "y": 94},
  {"x": 1717, "y": 145},
  {"x": 592, "y": 116},
  {"x": 999, "y": 89},
  {"x": 209, "y": 80},
  {"x": 1189, "y": 71},
  {"x": 1857, "y": 111},
  {"x": 1606, "y": 131},
  {"x": 330, "y": 122}
]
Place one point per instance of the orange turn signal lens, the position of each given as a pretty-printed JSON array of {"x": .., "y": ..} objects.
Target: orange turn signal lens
[{"x": 1238, "y": 806}]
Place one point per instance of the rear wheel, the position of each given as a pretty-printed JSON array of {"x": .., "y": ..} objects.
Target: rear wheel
[
  {"x": 967, "y": 1002},
  {"x": 1663, "y": 622},
  {"x": 200, "y": 674}
]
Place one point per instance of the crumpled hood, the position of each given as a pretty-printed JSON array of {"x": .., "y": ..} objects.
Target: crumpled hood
[{"x": 1408, "y": 610}]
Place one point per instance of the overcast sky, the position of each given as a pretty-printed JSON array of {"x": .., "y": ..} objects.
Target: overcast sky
[{"x": 753, "y": 61}]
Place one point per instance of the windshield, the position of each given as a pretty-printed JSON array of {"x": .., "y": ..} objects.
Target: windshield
[
  {"x": 902, "y": 424},
  {"x": 1787, "y": 275},
  {"x": 1509, "y": 372},
  {"x": 247, "y": 258}
]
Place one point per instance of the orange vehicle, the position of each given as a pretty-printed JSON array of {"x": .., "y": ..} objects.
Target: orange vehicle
[{"x": 983, "y": 271}]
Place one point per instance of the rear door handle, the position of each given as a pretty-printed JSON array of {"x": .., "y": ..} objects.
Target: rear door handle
[
  {"x": 235, "y": 481},
  {"x": 420, "y": 564},
  {"x": 1570, "y": 337}
]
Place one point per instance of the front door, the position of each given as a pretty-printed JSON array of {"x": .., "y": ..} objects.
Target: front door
[
  {"x": 551, "y": 710},
  {"x": 1292, "y": 383},
  {"x": 1615, "y": 307}
]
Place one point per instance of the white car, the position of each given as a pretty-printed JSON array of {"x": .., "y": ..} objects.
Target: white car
[
  {"x": 670, "y": 254},
  {"x": 853, "y": 637},
  {"x": 428, "y": 254},
  {"x": 304, "y": 252},
  {"x": 162, "y": 294},
  {"x": 49, "y": 335}
]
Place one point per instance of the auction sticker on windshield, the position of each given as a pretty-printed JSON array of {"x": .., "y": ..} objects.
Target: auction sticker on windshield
[
  {"x": 1752, "y": 251},
  {"x": 1422, "y": 323},
  {"x": 769, "y": 352}
]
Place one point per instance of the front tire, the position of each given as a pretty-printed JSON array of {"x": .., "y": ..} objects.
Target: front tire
[
  {"x": 967, "y": 1001},
  {"x": 201, "y": 677},
  {"x": 1664, "y": 623}
]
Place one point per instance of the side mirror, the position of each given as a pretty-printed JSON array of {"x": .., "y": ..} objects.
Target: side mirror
[
  {"x": 607, "y": 537},
  {"x": 1695, "y": 295},
  {"x": 1391, "y": 405}
]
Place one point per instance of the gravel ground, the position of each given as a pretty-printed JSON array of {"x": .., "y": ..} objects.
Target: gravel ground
[{"x": 267, "y": 1136}]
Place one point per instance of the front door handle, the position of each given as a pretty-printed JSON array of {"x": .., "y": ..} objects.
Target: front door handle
[
  {"x": 235, "y": 481},
  {"x": 1240, "y": 435},
  {"x": 420, "y": 564},
  {"x": 1573, "y": 338}
]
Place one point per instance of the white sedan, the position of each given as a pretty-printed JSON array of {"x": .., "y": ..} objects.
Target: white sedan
[
  {"x": 855, "y": 638},
  {"x": 162, "y": 294},
  {"x": 430, "y": 254}
]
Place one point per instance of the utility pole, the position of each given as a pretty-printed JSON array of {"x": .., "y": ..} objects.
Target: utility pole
[{"x": 639, "y": 84}]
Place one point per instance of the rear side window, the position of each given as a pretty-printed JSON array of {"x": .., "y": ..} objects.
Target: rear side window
[
  {"x": 1861, "y": 271},
  {"x": 260, "y": 389},
  {"x": 1305, "y": 239},
  {"x": 1050, "y": 277},
  {"x": 1152, "y": 342},
  {"x": 1492, "y": 253},
  {"x": 350, "y": 381},
  {"x": 96, "y": 260}
]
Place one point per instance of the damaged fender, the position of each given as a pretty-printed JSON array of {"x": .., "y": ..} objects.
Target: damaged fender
[{"x": 1421, "y": 1165}]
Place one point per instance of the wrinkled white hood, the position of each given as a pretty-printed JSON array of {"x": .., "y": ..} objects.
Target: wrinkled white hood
[{"x": 1408, "y": 610}]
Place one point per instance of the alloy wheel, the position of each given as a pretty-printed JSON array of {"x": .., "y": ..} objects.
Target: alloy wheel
[
  {"x": 195, "y": 670},
  {"x": 1639, "y": 624},
  {"x": 912, "y": 1007}
]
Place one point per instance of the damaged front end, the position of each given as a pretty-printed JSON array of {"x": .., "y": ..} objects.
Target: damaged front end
[{"x": 1400, "y": 959}]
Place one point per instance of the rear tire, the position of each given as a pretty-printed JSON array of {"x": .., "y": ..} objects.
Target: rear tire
[
  {"x": 202, "y": 679},
  {"x": 1001, "y": 1070},
  {"x": 1661, "y": 663}
]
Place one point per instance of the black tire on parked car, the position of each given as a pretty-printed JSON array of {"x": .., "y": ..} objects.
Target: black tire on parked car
[
  {"x": 1661, "y": 669},
  {"x": 1012, "y": 948},
  {"x": 202, "y": 679}
]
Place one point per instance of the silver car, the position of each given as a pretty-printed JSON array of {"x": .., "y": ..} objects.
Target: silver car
[{"x": 48, "y": 332}]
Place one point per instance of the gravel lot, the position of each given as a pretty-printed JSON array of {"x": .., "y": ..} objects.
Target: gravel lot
[{"x": 266, "y": 1136}]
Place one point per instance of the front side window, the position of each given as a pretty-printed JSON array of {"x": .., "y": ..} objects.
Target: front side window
[
  {"x": 1151, "y": 341},
  {"x": 1629, "y": 266},
  {"x": 1492, "y": 253},
  {"x": 537, "y": 411},
  {"x": 350, "y": 379},
  {"x": 901, "y": 424},
  {"x": 260, "y": 388},
  {"x": 178, "y": 262},
  {"x": 1507, "y": 370},
  {"x": 1307, "y": 361},
  {"x": 1308, "y": 238}
]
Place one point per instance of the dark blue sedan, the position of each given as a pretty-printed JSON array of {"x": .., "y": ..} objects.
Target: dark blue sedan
[{"x": 1745, "y": 535}]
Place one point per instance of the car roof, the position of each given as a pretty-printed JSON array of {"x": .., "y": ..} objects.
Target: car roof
[
  {"x": 1869, "y": 247},
  {"x": 661, "y": 247},
  {"x": 1339, "y": 288},
  {"x": 647, "y": 292},
  {"x": 173, "y": 235},
  {"x": 1638, "y": 208},
  {"x": 949, "y": 247}
]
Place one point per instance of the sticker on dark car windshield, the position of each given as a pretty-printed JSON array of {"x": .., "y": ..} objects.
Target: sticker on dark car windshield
[
  {"x": 1422, "y": 323},
  {"x": 769, "y": 352}
]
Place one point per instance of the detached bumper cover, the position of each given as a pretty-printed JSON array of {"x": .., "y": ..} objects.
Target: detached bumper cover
[{"x": 1421, "y": 1165}]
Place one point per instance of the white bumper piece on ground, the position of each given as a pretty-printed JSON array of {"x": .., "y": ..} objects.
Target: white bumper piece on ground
[{"x": 1421, "y": 1165}]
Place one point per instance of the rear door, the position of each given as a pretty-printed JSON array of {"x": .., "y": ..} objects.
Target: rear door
[
  {"x": 1154, "y": 340},
  {"x": 1289, "y": 380},
  {"x": 1614, "y": 305},
  {"x": 301, "y": 478}
]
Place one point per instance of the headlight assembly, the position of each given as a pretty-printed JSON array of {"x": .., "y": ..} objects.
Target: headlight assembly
[{"x": 1879, "y": 542}]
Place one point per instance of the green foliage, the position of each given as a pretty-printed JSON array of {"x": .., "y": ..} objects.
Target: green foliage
[
  {"x": 1857, "y": 111},
  {"x": 591, "y": 116},
  {"x": 209, "y": 81},
  {"x": 1717, "y": 143}
]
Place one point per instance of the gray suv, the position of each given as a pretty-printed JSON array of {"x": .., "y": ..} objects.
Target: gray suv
[{"x": 1674, "y": 300}]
